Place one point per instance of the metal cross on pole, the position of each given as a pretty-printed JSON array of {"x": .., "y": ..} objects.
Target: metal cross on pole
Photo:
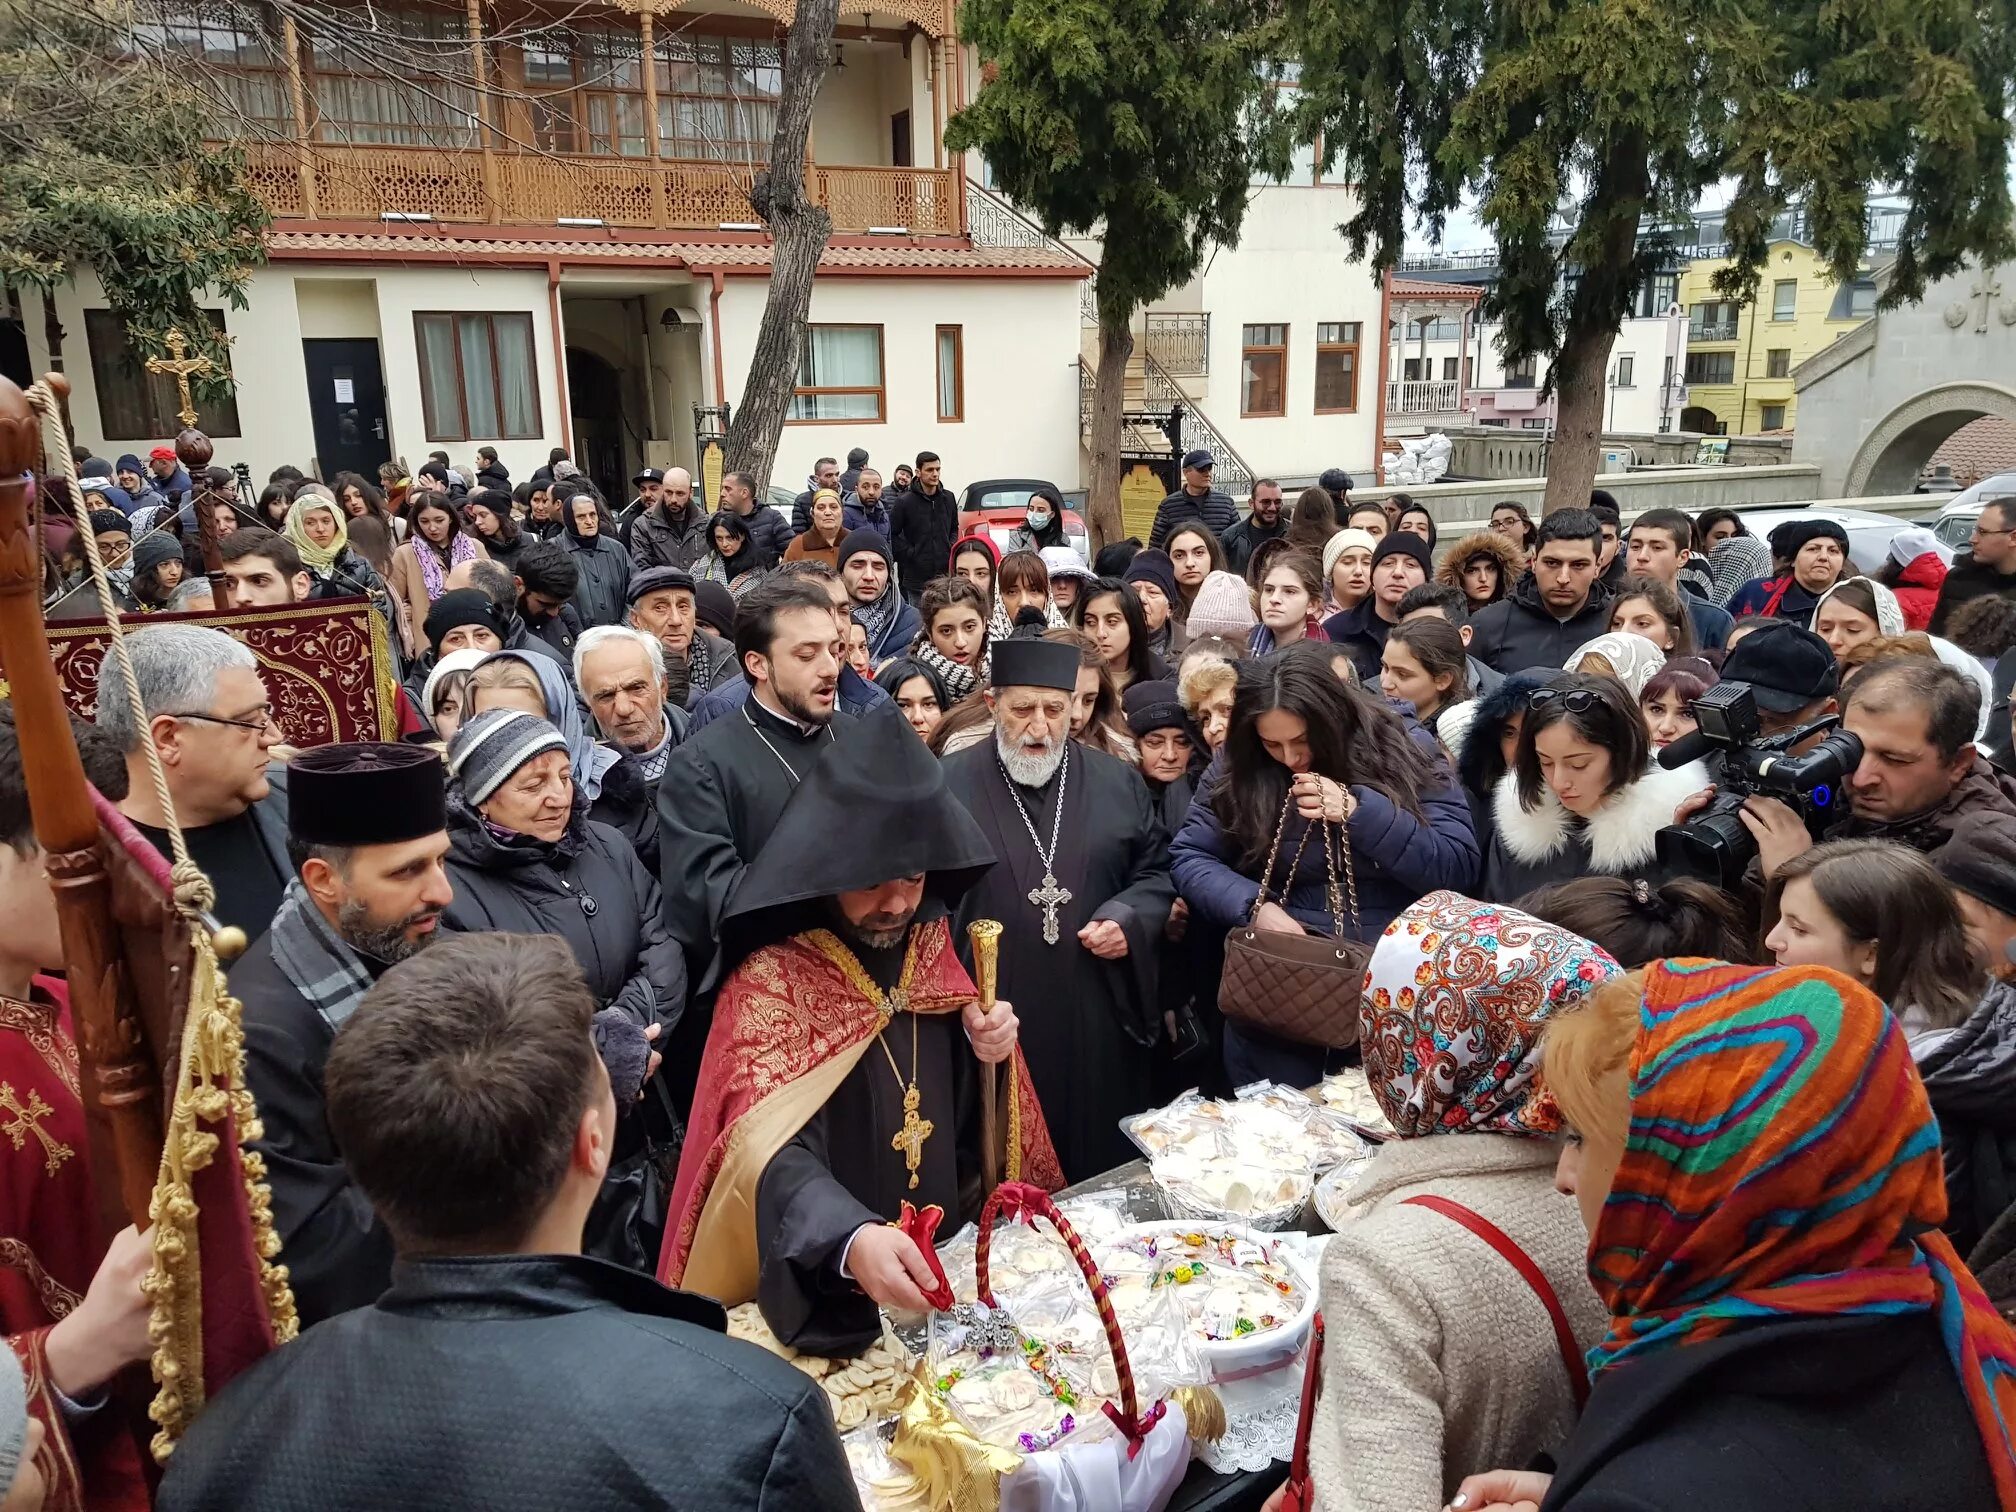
[{"x": 182, "y": 367}]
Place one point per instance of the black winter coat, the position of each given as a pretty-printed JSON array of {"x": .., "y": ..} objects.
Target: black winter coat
[
  {"x": 516, "y": 1383},
  {"x": 1215, "y": 511},
  {"x": 922, "y": 528},
  {"x": 1970, "y": 1075},
  {"x": 1520, "y": 631},
  {"x": 770, "y": 531},
  {"x": 1966, "y": 581},
  {"x": 589, "y": 889},
  {"x": 1812, "y": 1416}
]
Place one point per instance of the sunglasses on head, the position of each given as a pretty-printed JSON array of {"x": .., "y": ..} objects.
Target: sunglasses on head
[{"x": 1575, "y": 700}]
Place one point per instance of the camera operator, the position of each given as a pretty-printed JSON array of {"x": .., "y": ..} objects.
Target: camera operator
[{"x": 1919, "y": 778}]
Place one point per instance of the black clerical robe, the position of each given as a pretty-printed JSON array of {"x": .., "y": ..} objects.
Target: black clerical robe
[
  {"x": 842, "y": 1171},
  {"x": 1089, "y": 1026},
  {"x": 717, "y": 803}
]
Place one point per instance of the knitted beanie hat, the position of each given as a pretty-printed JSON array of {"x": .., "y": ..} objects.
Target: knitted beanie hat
[
  {"x": 1341, "y": 542},
  {"x": 493, "y": 745},
  {"x": 1222, "y": 607}
]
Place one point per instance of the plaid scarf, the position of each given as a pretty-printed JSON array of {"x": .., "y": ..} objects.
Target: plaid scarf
[
  {"x": 311, "y": 955},
  {"x": 959, "y": 681},
  {"x": 876, "y": 618}
]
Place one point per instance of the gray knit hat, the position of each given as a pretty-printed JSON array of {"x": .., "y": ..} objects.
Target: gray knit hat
[
  {"x": 1223, "y": 606},
  {"x": 13, "y": 1418},
  {"x": 489, "y": 748}
]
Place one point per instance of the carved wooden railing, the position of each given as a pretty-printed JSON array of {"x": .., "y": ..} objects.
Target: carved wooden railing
[{"x": 532, "y": 189}]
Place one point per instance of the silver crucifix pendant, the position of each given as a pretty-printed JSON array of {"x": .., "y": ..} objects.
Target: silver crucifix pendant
[{"x": 1049, "y": 897}]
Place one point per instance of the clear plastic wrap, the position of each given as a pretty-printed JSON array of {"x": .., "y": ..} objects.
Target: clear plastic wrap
[
  {"x": 1349, "y": 1093},
  {"x": 1253, "y": 1159},
  {"x": 1023, "y": 1252}
]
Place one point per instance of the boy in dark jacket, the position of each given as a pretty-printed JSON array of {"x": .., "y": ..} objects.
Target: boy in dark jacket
[
  {"x": 923, "y": 524},
  {"x": 1558, "y": 605}
]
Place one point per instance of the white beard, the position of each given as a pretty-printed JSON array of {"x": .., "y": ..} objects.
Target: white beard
[{"x": 1027, "y": 768}]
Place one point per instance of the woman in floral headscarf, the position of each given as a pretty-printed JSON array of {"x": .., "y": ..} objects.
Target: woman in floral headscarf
[
  {"x": 1440, "y": 1357},
  {"x": 1760, "y": 1174}
]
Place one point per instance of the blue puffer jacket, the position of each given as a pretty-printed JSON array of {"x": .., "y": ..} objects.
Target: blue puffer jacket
[{"x": 1398, "y": 858}]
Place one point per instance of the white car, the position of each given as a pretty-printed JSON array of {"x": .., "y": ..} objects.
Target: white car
[
  {"x": 1869, "y": 533},
  {"x": 1955, "y": 525}
]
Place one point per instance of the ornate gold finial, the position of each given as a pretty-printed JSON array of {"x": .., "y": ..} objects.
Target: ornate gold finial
[{"x": 986, "y": 937}]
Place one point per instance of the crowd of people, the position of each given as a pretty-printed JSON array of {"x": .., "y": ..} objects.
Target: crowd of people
[{"x": 693, "y": 811}]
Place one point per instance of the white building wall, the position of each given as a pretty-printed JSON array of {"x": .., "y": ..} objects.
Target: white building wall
[
  {"x": 1626, "y": 408},
  {"x": 290, "y": 301},
  {"x": 1290, "y": 268},
  {"x": 1020, "y": 338},
  {"x": 265, "y": 356}
]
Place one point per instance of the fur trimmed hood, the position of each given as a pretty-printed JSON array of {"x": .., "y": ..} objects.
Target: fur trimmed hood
[
  {"x": 1511, "y": 566},
  {"x": 1622, "y": 834}
]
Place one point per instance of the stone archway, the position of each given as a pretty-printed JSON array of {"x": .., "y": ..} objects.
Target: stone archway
[{"x": 1890, "y": 458}]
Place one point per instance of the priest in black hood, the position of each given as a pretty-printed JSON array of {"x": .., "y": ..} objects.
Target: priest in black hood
[
  {"x": 842, "y": 1075},
  {"x": 1084, "y": 892}
]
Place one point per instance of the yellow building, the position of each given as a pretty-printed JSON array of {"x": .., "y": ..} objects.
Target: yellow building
[{"x": 1740, "y": 357}]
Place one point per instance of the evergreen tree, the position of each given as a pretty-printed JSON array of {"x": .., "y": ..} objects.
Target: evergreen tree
[
  {"x": 1617, "y": 114},
  {"x": 1126, "y": 117},
  {"x": 104, "y": 164}
]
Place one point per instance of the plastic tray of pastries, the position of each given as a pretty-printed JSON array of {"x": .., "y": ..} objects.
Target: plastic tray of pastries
[
  {"x": 1025, "y": 1253},
  {"x": 1254, "y": 1158},
  {"x": 1349, "y": 1092}
]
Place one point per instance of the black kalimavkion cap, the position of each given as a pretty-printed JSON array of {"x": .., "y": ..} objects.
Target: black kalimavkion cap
[{"x": 366, "y": 793}]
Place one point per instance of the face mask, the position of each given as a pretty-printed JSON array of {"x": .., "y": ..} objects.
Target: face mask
[{"x": 1038, "y": 518}]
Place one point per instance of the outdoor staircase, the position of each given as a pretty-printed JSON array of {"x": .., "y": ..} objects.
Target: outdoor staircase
[{"x": 1156, "y": 398}]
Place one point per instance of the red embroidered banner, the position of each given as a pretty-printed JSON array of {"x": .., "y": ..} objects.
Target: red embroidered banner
[{"x": 327, "y": 665}]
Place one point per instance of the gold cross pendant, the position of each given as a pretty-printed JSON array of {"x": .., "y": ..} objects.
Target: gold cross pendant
[{"x": 910, "y": 1138}]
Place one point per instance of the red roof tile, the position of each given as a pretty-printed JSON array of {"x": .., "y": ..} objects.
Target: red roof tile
[
  {"x": 448, "y": 243},
  {"x": 1428, "y": 288},
  {"x": 1979, "y": 450}
]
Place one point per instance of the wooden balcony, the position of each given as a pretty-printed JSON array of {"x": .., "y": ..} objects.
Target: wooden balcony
[{"x": 471, "y": 187}]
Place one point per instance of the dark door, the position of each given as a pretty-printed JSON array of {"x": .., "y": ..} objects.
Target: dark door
[
  {"x": 346, "y": 400},
  {"x": 899, "y": 139}
]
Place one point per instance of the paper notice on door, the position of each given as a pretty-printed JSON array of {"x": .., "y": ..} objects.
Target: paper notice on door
[{"x": 346, "y": 391}]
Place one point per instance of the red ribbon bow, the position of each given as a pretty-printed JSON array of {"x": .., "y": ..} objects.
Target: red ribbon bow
[
  {"x": 922, "y": 1227},
  {"x": 1137, "y": 1430}
]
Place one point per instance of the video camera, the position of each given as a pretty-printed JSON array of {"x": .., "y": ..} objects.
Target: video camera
[{"x": 1715, "y": 844}]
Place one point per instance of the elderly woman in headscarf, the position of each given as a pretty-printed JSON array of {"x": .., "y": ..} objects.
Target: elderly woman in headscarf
[
  {"x": 1733, "y": 562},
  {"x": 536, "y": 684},
  {"x": 1439, "y": 1355},
  {"x": 1760, "y": 1175},
  {"x": 1808, "y": 557},
  {"x": 602, "y": 598},
  {"x": 320, "y": 532},
  {"x": 1631, "y": 659},
  {"x": 525, "y": 858}
]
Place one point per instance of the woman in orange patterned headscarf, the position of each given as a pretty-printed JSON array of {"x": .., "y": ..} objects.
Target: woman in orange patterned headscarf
[{"x": 1760, "y": 1172}]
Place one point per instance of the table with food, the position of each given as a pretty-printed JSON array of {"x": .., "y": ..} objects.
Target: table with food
[{"x": 1199, "y": 1260}]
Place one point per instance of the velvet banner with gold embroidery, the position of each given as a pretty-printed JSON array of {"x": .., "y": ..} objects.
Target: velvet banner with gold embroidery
[
  {"x": 327, "y": 665},
  {"x": 788, "y": 1026},
  {"x": 49, "y": 1250}
]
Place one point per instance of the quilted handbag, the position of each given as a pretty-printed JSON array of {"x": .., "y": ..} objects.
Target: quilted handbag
[{"x": 1299, "y": 987}]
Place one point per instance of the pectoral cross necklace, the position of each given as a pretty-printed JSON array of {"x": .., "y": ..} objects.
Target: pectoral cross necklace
[
  {"x": 1048, "y": 895},
  {"x": 910, "y": 1138}
]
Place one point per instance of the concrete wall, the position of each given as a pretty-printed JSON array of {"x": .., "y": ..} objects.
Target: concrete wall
[
  {"x": 1874, "y": 407},
  {"x": 1490, "y": 452},
  {"x": 1690, "y": 488},
  {"x": 1021, "y": 346}
]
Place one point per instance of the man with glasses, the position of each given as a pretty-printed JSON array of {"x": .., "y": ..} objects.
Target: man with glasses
[
  {"x": 209, "y": 718},
  {"x": 1988, "y": 568}
]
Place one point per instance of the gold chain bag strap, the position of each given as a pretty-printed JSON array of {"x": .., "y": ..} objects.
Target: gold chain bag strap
[{"x": 1299, "y": 987}]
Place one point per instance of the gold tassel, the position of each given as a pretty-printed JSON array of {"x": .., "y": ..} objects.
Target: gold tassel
[
  {"x": 955, "y": 1471},
  {"x": 209, "y": 1089}
]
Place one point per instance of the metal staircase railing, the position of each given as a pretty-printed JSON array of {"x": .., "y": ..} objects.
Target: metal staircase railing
[
  {"x": 992, "y": 222},
  {"x": 1233, "y": 476}
]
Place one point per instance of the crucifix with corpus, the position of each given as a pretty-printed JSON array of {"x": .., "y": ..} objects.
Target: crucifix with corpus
[{"x": 183, "y": 367}]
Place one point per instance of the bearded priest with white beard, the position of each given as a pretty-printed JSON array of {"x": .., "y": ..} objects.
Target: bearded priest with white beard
[{"x": 1082, "y": 889}]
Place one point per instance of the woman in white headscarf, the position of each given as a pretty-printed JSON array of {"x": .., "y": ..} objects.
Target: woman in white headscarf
[
  {"x": 1631, "y": 659},
  {"x": 1858, "y": 610}
]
